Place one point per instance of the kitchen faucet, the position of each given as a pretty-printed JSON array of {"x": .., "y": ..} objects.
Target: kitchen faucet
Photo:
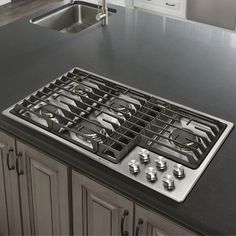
[{"x": 103, "y": 13}]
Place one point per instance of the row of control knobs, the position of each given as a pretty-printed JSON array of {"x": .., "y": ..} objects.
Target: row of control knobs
[{"x": 151, "y": 172}]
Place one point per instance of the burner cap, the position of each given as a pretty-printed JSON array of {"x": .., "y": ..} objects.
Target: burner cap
[
  {"x": 184, "y": 138},
  {"x": 48, "y": 111},
  {"x": 88, "y": 129},
  {"x": 120, "y": 107},
  {"x": 82, "y": 90}
]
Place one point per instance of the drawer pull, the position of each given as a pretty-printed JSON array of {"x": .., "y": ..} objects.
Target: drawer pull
[
  {"x": 140, "y": 222},
  {"x": 170, "y": 5},
  {"x": 123, "y": 232},
  {"x": 19, "y": 169},
  {"x": 10, "y": 166}
]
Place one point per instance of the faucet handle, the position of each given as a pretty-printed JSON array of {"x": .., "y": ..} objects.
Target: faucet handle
[{"x": 100, "y": 16}]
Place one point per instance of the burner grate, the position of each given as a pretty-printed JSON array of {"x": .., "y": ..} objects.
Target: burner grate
[{"x": 117, "y": 118}]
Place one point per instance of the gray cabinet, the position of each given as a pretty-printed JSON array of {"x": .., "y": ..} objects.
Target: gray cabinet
[
  {"x": 3, "y": 207},
  {"x": 47, "y": 197},
  {"x": 33, "y": 191},
  {"x": 10, "y": 217},
  {"x": 98, "y": 210},
  {"x": 34, "y": 200},
  {"x": 148, "y": 223}
]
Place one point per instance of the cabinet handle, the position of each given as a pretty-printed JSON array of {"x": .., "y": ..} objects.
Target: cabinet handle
[
  {"x": 18, "y": 169},
  {"x": 124, "y": 232},
  {"x": 10, "y": 166},
  {"x": 140, "y": 222},
  {"x": 170, "y": 5}
]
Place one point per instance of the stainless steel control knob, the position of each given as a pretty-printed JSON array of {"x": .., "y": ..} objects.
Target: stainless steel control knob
[
  {"x": 178, "y": 171},
  {"x": 133, "y": 166},
  {"x": 161, "y": 163},
  {"x": 151, "y": 174},
  {"x": 168, "y": 182},
  {"x": 144, "y": 155}
]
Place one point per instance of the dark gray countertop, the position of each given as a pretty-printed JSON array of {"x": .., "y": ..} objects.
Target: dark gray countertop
[{"x": 189, "y": 63}]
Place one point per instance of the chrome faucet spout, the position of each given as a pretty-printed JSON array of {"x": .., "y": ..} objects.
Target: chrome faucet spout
[{"x": 103, "y": 13}]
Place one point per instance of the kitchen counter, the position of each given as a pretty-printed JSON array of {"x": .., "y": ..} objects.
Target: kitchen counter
[{"x": 189, "y": 63}]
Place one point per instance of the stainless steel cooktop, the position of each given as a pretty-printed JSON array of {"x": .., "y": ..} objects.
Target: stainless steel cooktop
[{"x": 158, "y": 143}]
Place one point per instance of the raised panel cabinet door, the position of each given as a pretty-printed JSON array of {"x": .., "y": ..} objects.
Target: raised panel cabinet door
[
  {"x": 4, "y": 230},
  {"x": 99, "y": 211},
  {"x": 47, "y": 185},
  {"x": 148, "y": 223},
  {"x": 10, "y": 207}
]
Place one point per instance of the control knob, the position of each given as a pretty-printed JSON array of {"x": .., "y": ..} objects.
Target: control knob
[
  {"x": 151, "y": 174},
  {"x": 144, "y": 155},
  {"x": 133, "y": 166},
  {"x": 178, "y": 171},
  {"x": 161, "y": 163},
  {"x": 168, "y": 182}
]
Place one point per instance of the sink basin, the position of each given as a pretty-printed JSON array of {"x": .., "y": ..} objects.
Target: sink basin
[{"x": 70, "y": 18}]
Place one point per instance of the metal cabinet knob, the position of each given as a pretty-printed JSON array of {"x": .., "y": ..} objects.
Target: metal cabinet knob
[{"x": 144, "y": 155}]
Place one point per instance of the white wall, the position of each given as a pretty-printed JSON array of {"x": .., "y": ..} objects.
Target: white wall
[{"x": 2, "y": 2}]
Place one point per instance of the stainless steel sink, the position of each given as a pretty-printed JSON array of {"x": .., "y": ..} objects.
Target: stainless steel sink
[{"x": 70, "y": 18}]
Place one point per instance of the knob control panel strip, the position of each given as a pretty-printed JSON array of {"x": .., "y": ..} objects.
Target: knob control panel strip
[{"x": 159, "y": 173}]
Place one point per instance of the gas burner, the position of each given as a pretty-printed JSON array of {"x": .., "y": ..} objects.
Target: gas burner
[
  {"x": 49, "y": 111},
  {"x": 82, "y": 90},
  {"x": 120, "y": 107},
  {"x": 90, "y": 131},
  {"x": 184, "y": 139}
]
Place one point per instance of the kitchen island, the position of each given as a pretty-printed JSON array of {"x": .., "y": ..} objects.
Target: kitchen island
[{"x": 185, "y": 62}]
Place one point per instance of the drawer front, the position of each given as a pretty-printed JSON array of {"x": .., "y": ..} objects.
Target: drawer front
[
  {"x": 149, "y": 3},
  {"x": 118, "y": 2}
]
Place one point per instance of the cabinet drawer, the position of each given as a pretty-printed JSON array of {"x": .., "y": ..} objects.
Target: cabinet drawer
[
  {"x": 117, "y": 2},
  {"x": 148, "y": 4},
  {"x": 169, "y": 7}
]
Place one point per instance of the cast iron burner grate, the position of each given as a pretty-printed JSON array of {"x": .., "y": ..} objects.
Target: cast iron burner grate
[{"x": 110, "y": 119}]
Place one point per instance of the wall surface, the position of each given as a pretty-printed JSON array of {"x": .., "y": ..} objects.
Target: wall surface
[
  {"x": 220, "y": 13},
  {"x": 2, "y": 2}
]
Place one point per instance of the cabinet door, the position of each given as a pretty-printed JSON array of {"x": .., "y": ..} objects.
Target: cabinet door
[
  {"x": 148, "y": 223},
  {"x": 3, "y": 203},
  {"x": 44, "y": 190},
  {"x": 10, "y": 208},
  {"x": 98, "y": 210}
]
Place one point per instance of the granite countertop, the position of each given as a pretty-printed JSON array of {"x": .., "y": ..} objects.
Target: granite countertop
[{"x": 186, "y": 62}]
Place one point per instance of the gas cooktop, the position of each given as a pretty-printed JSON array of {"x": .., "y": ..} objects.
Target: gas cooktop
[{"x": 160, "y": 144}]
